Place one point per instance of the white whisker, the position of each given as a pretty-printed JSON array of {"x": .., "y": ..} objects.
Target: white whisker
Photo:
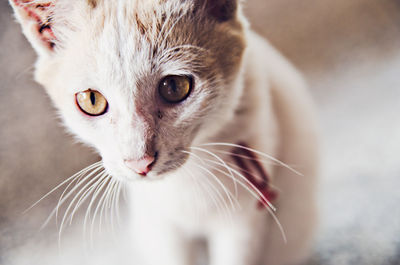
[
  {"x": 81, "y": 180},
  {"x": 117, "y": 203},
  {"x": 227, "y": 192},
  {"x": 263, "y": 161},
  {"x": 93, "y": 181},
  {"x": 76, "y": 175},
  {"x": 216, "y": 191},
  {"x": 110, "y": 202},
  {"x": 270, "y": 208},
  {"x": 233, "y": 165},
  {"x": 197, "y": 195},
  {"x": 61, "y": 202},
  {"x": 257, "y": 152},
  {"x": 104, "y": 202},
  {"x": 207, "y": 190},
  {"x": 223, "y": 162},
  {"x": 107, "y": 183},
  {"x": 268, "y": 203},
  {"x": 83, "y": 197}
]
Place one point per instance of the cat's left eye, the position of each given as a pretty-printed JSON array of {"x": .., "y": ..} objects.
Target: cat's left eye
[
  {"x": 175, "y": 88},
  {"x": 91, "y": 102}
]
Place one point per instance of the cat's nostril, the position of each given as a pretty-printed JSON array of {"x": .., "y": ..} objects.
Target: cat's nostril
[{"x": 141, "y": 166}]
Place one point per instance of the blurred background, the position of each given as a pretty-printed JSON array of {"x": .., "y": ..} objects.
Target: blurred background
[{"x": 348, "y": 50}]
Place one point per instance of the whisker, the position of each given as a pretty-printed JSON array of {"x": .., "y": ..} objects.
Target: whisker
[
  {"x": 217, "y": 192},
  {"x": 70, "y": 193},
  {"x": 76, "y": 175},
  {"x": 117, "y": 203},
  {"x": 124, "y": 193},
  {"x": 95, "y": 189},
  {"x": 227, "y": 192},
  {"x": 105, "y": 203},
  {"x": 270, "y": 208},
  {"x": 78, "y": 182},
  {"x": 66, "y": 216},
  {"x": 108, "y": 181},
  {"x": 109, "y": 202},
  {"x": 250, "y": 173},
  {"x": 77, "y": 185},
  {"x": 242, "y": 184},
  {"x": 216, "y": 202},
  {"x": 89, "y": 184},
  {"x": 247, "y": 157},
  {"x": 24, "y": 72},
  {"x": 268, "y": 203},
  {"x": 82, "y": 199},
  {"x": 95, "y": 192},
  {"x": 222, "y": 161},
  {"x": 257, "y": 152},
  {"x": 197, "y": 196},
  {"x": 110, "y": 205}
]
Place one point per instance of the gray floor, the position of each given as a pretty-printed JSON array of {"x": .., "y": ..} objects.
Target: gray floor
[{"x": 348, "y": 50}]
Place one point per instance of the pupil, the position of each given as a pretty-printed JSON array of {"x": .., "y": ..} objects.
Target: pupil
[
  {"x": 92, "y": 98},
  {"x": 173, "y": 86}
]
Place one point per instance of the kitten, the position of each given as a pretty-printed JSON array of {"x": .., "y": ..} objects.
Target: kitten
[{"x": 192, "y": 111}]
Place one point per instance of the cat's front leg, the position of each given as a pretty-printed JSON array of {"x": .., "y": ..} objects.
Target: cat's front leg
[
  {"x": 155, "y": 243},
  {"x": 238, "y": 242}
]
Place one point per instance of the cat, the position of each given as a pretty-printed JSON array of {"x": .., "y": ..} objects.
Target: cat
[{"x": 202, "y": 120}]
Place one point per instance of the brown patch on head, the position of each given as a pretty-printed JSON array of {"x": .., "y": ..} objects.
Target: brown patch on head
[
  {"x": 224, "y": 41},
  {"x": 92, "y": 3},
  {"x": 230, "y": 47}
]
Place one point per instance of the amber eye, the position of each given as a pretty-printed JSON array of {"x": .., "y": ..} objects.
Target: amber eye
[
  {"x": 175, "y": 88},
  {"x": 91, "y": 102}
]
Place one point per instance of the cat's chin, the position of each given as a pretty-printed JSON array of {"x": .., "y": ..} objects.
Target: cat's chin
[{"x": 151, "y": 176}]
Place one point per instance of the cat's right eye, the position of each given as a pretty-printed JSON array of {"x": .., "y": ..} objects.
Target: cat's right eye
[{"x": 91, "y": 102}]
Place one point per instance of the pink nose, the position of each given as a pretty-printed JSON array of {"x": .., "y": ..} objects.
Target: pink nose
[{"x": 141, "y": 166}]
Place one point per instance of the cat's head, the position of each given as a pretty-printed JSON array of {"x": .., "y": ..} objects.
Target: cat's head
[{"x": 139, "y": 80}]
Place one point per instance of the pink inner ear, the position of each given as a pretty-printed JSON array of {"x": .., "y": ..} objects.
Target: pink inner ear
[{"x": 40, "y": 13}]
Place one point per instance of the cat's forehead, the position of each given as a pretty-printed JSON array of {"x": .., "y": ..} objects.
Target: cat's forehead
[
  {"x": 131, "y": 3},
  {"x": 126, "y": 16},
  {"x": 145, "y": 10},
  {"x": 129, "y": 32},
  {"x": 136, "y": 23}
]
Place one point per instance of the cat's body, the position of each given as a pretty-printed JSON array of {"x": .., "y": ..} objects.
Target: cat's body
[{"x": 244, "y": 93}]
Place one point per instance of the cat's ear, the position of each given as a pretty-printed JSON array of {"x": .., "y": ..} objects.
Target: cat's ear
[
  {"x": 35, "y": 18},
  {"x": 222, "y": 10}
]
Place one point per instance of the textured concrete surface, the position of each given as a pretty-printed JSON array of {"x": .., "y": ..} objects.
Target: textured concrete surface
[{"x": 348, "y": 50}]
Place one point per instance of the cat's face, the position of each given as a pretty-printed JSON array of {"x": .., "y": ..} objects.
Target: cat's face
[{"x": 141, "y": 81}]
